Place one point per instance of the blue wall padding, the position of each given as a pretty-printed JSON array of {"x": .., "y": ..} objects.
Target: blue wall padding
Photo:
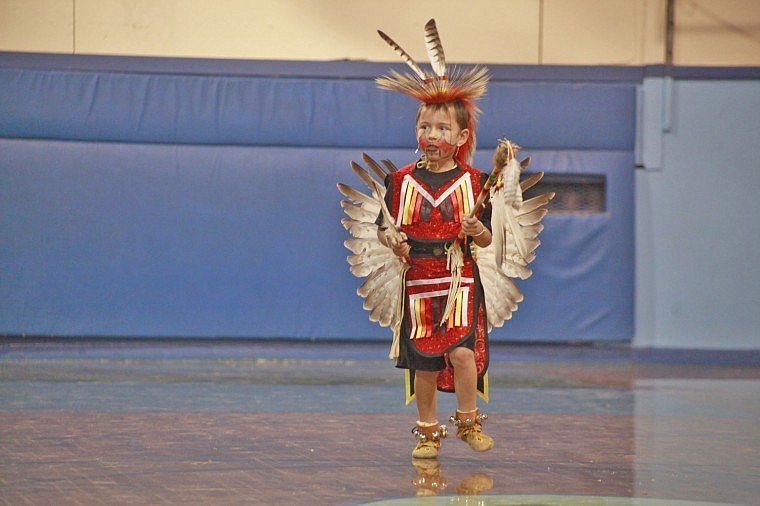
[
  {"x": 180, "y": 205},
  {"x": 277, "y": 111},
  {"x": 163, "y": 240}
]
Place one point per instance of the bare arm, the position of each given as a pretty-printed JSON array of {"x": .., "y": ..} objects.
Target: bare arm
[{"x": 480, "y": 234}]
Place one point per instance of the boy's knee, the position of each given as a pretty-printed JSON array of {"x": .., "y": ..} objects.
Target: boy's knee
[{"x": 461, "y": 356}]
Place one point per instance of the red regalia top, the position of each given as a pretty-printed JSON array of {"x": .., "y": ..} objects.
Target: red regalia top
[{"x": 432, "y": 219}]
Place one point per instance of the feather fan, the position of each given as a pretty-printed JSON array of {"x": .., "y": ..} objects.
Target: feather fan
[
  {"x": 383, "y": 271},
  {"x": 516, "y": 224}
]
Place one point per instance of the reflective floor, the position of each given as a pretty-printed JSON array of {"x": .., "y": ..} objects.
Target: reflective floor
[{"x": 189, "y": 422}]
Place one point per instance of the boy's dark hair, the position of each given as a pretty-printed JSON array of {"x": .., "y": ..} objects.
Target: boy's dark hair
[{"x": 461, "y": 113}]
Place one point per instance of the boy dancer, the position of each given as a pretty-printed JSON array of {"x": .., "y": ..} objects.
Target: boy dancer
[{"x": 434, "y": 216}]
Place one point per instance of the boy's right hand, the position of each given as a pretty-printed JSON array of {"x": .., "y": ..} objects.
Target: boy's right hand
[{"x": 400, "y": 247}]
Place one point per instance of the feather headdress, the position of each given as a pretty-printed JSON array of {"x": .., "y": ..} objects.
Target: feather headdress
[{"x": 440, "y": 86}]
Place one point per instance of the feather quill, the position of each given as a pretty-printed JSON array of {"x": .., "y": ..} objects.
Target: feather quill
[
  {"x": 364, "y": 175},
  {"x": 404, "y": 55},
  {"x": 534, "y": 203},
  {"x": 361, "y": 229},
  {"x": 530, "y": 181},
  {"x": 532, "y": 217},
  {"x": 354, "y": 194},
  {"x": 376, "y": 168},
  {"x": 358, "y": 245},
  {"x": 361, "y": 204},
  {"x": 389, "y": 165},
  {"x": 355, "y": 211},
  {"x": 435, "y": 49}
]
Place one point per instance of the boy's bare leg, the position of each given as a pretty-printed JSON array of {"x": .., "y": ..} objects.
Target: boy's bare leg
[
  {"x": 428, "y": 431},
  {"x": 426, "y": 389},
  {"x": 465, "y": 378},
  {"x": 468, "y": 419}
]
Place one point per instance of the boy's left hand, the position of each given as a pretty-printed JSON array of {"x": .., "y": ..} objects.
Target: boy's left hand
[{"x": 472, "y": 226}]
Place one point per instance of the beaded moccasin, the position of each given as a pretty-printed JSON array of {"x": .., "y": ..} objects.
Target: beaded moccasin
[
  {"x": 429, "y": 436},
  {"x": 469, "y": 426}
]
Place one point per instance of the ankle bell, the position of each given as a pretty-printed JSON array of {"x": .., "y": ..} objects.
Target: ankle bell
[
  {"x": 467, "y": 418},
  {"x": 429, "y": 432},
  {"x": 470, "y": 429}
]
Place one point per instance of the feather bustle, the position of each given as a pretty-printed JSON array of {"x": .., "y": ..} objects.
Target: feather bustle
[
  {"x": 515, "y": 243},
  {"x": 501, "y": 293},
  {"x": 516, "y": 224}
]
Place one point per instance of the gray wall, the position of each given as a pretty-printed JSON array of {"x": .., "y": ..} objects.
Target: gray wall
[{"x": 698, "y": 215}]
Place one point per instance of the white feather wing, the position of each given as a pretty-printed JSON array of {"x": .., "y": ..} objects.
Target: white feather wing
[
  {"x": 501, "y": 293},
  {"x": 516, "y": 224},
  {"x": 383, "y": 271}
]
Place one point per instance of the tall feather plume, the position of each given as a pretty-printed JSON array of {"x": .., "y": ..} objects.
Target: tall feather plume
[
  {"x": 444, "y": 84},
  {"x": 435, "y": 49},
  {"x": 404, "y": 55}
]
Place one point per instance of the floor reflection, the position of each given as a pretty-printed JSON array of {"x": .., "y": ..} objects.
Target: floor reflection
[
  {"x": 540, "y": 500},
  {"x": 431, "y": 481},
  {"x": 252, "y": 423}
]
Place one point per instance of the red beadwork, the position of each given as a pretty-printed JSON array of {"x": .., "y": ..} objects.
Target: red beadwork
[{"x": 426, "y": 311}]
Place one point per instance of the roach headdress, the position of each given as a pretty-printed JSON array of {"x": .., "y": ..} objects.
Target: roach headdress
[{"x": 440, "y": 86}]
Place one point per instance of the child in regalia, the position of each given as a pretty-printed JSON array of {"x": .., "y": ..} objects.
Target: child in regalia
[
  {"x": 433, "y": 217},
  {"x": 430, "y": 199}
]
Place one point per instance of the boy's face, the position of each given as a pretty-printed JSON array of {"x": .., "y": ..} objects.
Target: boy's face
[{"x": 438, "y": 133}]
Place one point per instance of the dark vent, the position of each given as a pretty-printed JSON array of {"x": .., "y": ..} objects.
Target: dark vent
[{"x": 575, "y": 193}]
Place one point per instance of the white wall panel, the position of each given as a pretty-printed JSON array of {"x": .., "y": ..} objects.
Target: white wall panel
[
  {"x": 591, "y": 32},
  {"x": 723, "y": 32},
  {"x": 304, "y": 30},
  {"x": 44, "y": 26}
]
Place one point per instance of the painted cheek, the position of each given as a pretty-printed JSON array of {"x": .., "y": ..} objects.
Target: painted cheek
[
  {"x": 441, "y": 144},
  {"x": 445, "y": 147}
]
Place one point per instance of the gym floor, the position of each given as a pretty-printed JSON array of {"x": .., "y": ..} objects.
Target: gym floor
[{"x": 275, "y": 422}]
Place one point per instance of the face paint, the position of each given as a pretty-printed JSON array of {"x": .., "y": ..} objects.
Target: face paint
[
  {"x": 443, "y": 146},
  {"x": 436, "y": 128}
]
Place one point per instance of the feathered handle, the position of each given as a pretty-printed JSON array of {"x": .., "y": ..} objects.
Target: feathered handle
[
  {"x": 435, "y": 49},
  {"x": 515, "y": 222},
  {"x": 504, "y": 152},
  {"x": 404, "y": 55}
]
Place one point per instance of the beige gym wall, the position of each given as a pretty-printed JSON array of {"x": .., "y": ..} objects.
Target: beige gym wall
[{"x": 584, "y": 32}]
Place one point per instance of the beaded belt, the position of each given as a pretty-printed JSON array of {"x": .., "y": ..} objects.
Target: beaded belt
[{"x": 434, "y": 249}]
